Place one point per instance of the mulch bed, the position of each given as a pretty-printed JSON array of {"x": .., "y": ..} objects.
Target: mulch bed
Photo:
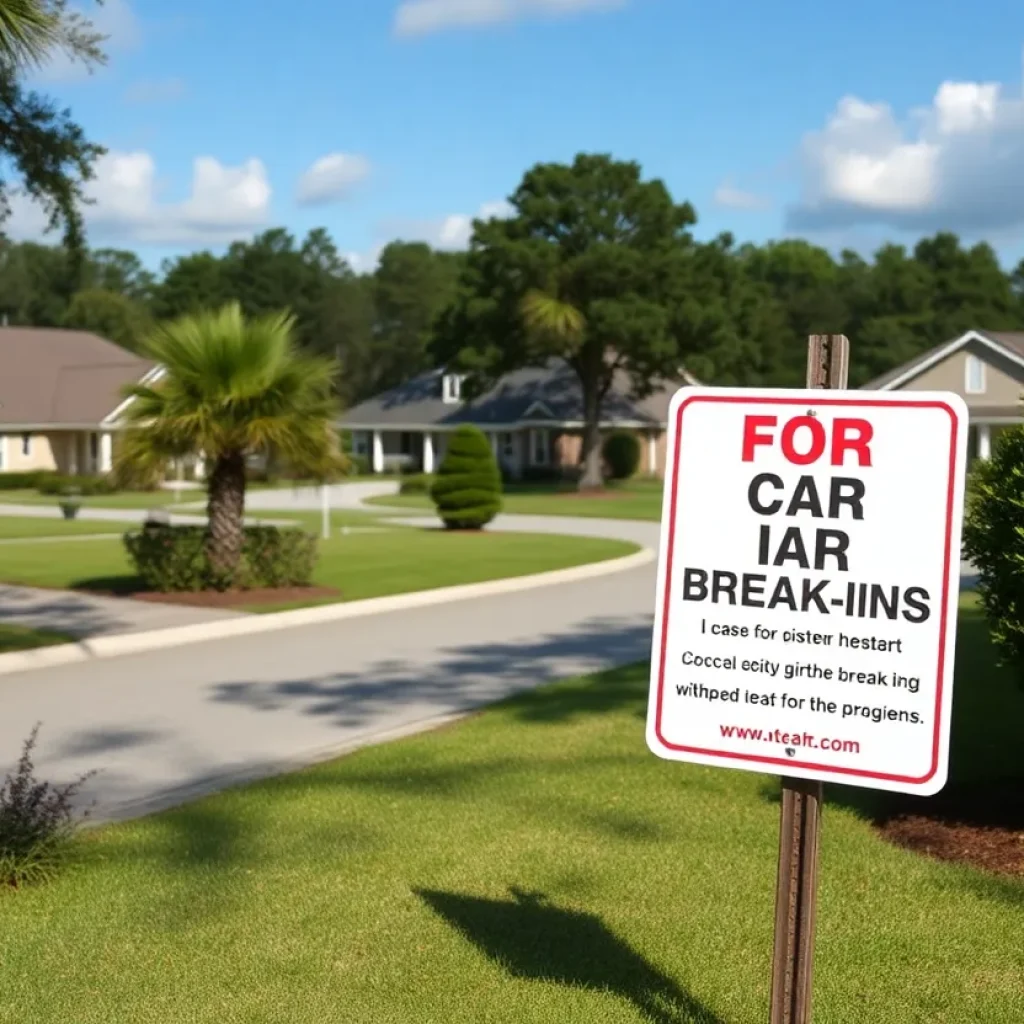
[
  {"x": 979, "y": 825},
  {"x": 233, "y": 598}
]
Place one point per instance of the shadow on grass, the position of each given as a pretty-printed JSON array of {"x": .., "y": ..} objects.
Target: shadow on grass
[{"x": 532, "y": 939}]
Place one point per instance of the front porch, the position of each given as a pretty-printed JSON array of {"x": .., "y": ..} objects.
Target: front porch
[{"x": 983, "y": 432}]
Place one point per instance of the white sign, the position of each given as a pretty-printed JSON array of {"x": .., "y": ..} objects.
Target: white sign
[{"x": 808, "y": 583}]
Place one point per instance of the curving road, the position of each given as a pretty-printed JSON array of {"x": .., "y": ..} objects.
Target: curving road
[{"x": 167, "y": 725}]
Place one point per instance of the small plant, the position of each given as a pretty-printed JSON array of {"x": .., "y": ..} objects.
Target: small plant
[
  {"x": 467, "y": 489},
  {"x": 70, "y": 503},
  {"x": 37, "y": 822},
  {"x": 418, "y": 484},
  {"x": 622, "y": 454},
  {"x": 994, "y": 543}
]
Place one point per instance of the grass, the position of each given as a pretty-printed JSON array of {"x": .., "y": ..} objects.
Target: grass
[
  {"x": 533, "y": 864},
  {"x": 359, "y": 564},
  {"x": 22, "y": 527},
  {"x": 23, "y": 638},
  {"x": 635, "y": 499},
  {"x": 120, "y": 499}
]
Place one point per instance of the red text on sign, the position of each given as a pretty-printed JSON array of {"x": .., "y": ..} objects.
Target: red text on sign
[{"x": 803, "y": 440}]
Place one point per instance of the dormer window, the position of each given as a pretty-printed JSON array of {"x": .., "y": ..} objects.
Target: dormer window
[{"x": 451, "y": 388}]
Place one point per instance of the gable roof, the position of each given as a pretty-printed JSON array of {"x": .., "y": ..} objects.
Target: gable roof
[
  {"x": 548, "y": 394},
  {"x": 59, "y": 378},
  {"x": 1009, "y": 344}
]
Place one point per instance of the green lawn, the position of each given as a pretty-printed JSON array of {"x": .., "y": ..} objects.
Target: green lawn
[
  {"x": 531, "y": 865},
  {"x": 22, "y": 638},
  {"x": 20, "y": 527},
  {"x": 637, "y": 499},
  {"x": 121, "y": 499},
  {"x": 359, "y": 564}
]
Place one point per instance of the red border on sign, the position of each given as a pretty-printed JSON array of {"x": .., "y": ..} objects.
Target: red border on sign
[{"x": 944, "y": 614}]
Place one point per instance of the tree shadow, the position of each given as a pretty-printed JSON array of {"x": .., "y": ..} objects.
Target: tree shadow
[{"x": 535, "y": 940}]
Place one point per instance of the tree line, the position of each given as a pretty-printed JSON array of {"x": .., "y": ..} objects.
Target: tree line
[{"x": 749, "y": 308}]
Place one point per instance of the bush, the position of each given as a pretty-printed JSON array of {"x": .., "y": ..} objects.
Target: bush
[
  {"x": 37, "y": 822},
  {"x": 24, "y": 481},
  {"x": 622, "y": 454},
  {"x": 467, "y": 489},
  {"x": 418, "y": 484},
  {"x": 994, "y": 542},
  {"x": 172, "y": 559},
  {"x": 56, "y": 485}
]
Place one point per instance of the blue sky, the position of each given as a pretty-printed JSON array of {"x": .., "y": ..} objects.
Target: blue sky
[{"x": 846, "y": 123}]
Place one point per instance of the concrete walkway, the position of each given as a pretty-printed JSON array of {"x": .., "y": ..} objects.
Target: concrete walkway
[{"x": 120, "y": 515}]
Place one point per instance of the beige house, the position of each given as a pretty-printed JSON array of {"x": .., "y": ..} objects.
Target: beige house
[
  {"x": 533, "y": 418},
  {"x": 986, "y": 368},
  {"x": 61, "y": 397}
]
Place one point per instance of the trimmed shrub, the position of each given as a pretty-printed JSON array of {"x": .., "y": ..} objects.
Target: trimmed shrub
[
  {"x": 359, "y": 465},
  {"x": 994, "y": 542},
  {"x": 467, "y": 489},
  {"x": 85, "y": 485},
  {"x": 419, "y": 484},
  {"x": 622, "y": 454},
  {"x": 37, "y": 822},
  {"x": 31, "y": 480},
  {"x": 172, "y": 559}
]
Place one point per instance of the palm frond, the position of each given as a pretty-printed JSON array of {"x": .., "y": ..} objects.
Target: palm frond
[
  {"x": 29, "y": 31},
  {"x": 544, "y": 313}
]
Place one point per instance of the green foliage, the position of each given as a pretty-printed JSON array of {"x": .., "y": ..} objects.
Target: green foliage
[
  {"x": 172, "y": 559},
  {"x": 417, "y": 483},
  {"x": 24, "y": 481},
  {"x": 622, "y": 454},
  {"x": 467, "y": 489},
  {"x": 37, "y": 822},
  {"x": 55, "y": 484},
  {"x": 994, "y": 542},
  {"x": 113, "y": 316}
]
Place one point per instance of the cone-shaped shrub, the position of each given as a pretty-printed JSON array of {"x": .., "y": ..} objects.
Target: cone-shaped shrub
[{"x": 467, "y": 489}]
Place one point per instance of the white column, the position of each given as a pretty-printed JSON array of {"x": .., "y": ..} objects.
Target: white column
[
  {"x": 73, "y": 454},
  {"x": 106, "y": 452},
  {"x": 494, "y": 443},
  {"x": 378, "y": 452},
  {"x": 200, "y": 468},
  {"x": 428, "y": 452},
  {"x": 652, "y": 454},
  {"x": 984, "y": 441}
]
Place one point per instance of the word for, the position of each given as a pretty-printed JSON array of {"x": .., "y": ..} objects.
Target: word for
[
  {"x": 794, "y": 636},
  {"x": 857, "y": 600}
]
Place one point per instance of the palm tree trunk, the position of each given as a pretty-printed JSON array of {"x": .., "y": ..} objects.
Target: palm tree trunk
[
  {"x": 225, "y": 508},
  {"x": 592, "y": 477}
]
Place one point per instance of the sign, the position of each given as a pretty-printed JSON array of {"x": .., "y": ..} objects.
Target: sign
[{"x": 808, "y": 583}]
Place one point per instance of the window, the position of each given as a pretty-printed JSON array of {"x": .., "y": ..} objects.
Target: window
[
  {"x": 540, "y": 447},
  {"x": 360, "y": 443},
  {"x": 26, "y": 444},
  {"x": 508, "y": 447},
  {"x": 94, "y": 446},
  {"x": 974, "y": 375},
  {"x": 451, "y": 388}
]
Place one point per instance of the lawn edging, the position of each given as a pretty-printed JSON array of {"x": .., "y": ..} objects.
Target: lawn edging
[{"x": 174, "y": 636}]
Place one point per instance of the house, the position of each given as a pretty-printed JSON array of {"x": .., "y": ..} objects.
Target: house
[
  {"x": 60, "y": 398},
  {"x": 986, "y": 368},
  {"x": 533, "y": 417}
]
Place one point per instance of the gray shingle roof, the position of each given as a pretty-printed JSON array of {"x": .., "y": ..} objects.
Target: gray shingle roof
[
  {"x": 51, "y": 377},
  {"x": 549, "y": 393}
]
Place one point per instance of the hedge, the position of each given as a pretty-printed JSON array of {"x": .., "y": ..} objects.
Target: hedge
[
  {"x": 85, "y": 485},
  {"x": 172, "y": 559},
  {"x": 622, "y": 454},
  {"x": 23, "y": 481},
  {"x": 467, "y": 489},
  {"x": 418, "y": 484}
]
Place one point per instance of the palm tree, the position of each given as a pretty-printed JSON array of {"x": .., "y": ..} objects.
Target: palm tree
[
  {"x": 561, "y": 326},
  {"x": 29, "y": 31},
  {"x": 231, "y": 387}
]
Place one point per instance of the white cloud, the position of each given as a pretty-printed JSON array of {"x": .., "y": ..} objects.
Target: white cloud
[
  {"x": 957, "y": 164},
  {"x": 733, "y": 198},
  {"x": 331, "y": 178},
  {"x": 114, "y": 19},
  {"x": 421, "y": 17},
  {"x": 156, "y": 90},
  {"x": 456, "y": 230},
  {"x": 224, "y": 203}
]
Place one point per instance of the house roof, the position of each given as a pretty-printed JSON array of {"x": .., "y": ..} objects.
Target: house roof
[
  {"x": 51, "y": 377},
  {"x": 1007, "y": 343},
  {"x": 548, "y": 394}
]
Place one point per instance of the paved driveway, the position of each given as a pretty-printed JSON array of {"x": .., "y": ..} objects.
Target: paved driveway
[{"x": 165, "y": 725}]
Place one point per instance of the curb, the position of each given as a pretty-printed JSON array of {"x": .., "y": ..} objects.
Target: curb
[{"x": 176, "y": 636}]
